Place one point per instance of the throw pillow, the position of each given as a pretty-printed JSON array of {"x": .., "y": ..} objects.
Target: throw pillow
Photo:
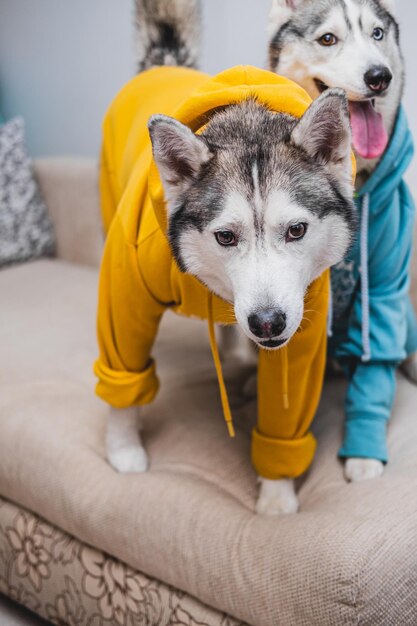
[{"x": 25, "y": 228}]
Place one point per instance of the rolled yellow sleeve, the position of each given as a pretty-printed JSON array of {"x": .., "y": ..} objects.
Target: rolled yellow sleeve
[
  {"x": 121, "y": 389},
  {"x": 282, "y": 444},
  {"x": 282, "y": 458}
]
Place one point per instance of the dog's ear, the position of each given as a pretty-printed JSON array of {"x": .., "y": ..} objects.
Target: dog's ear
[
  {"x": 324, "y": 133},
  {"x": 280, "y": 13},
  {"x": 179, "y": 155},
  {"x": 289, "y": 4},
  {"x": 389, "y": 5}
]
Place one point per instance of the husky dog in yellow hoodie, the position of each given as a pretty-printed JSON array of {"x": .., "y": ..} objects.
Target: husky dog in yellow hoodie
[{"x": 232, "y": 208}]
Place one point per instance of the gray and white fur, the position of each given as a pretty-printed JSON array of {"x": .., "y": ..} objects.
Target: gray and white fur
[
  {"x": 254, "y": 173},
  {"x": 296, "y": 51},
  {"x": 256, "y": 195}
]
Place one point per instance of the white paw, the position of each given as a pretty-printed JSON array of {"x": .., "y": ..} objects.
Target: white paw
[
  {"x": 409, "y": 368},
  {"x": 131, "y": 459},
  {"x": 363, "y": 469},
  {"x": 276, "y": 497}
]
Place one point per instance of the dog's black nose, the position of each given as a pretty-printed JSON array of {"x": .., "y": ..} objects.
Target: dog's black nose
[
  {"x": 378, "y": 78},
  {"x": 267, "y": 323}
]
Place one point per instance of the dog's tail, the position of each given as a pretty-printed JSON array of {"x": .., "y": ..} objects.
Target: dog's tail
[{"x": 168, "y": 32}]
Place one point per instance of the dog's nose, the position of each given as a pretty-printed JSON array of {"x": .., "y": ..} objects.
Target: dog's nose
[
  {"x": 267, "y": 323},
  {"x": 378, "y": 78}
]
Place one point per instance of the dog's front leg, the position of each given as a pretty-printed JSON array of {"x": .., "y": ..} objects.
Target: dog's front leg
[
  {"x": 276, "y": 497},
  {"x": 124, "y": 446}
]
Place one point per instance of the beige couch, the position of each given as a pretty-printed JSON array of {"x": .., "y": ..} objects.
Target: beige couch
[{"x": 180, "y": 545}]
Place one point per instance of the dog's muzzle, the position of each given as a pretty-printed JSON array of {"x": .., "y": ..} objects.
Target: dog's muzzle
[{"x": 267, "y": 325}]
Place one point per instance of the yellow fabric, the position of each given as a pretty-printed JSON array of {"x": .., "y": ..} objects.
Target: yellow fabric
[{"x": 139, "y": 278}]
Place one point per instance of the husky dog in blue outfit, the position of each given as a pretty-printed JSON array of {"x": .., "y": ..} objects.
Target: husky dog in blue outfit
[{"x": 354, "y": 44}]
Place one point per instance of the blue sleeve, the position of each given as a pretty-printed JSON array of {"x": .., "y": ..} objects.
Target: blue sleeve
[
  {"x": 369, "y": 401},
  {"x": 372, "y": 385}
]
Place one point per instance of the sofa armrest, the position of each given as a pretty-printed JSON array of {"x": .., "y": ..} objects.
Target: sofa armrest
[{"x": 70, "y": 189}]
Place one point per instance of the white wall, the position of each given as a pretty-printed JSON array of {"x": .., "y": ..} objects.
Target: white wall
[
  {"x": 62, "y": 61},
  {"x": 407, "y": 11}
]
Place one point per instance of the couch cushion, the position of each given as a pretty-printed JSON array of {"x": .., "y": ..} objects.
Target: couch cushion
[{"x": 348, "y": 557}]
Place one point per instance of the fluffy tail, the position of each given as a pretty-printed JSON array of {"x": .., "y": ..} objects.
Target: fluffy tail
[{"x": 168, "y": 32}]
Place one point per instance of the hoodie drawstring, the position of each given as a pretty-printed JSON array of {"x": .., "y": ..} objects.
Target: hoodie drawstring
[
  {"x": 366, "y": 341},
  {"x": 217, "y": 364},
  {"x": 284, "y": 362}
]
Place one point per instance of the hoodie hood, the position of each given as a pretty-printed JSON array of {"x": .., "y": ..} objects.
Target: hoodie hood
[
  {"x": 230, "y": 87},
  {"x": 390, "y": 170}
]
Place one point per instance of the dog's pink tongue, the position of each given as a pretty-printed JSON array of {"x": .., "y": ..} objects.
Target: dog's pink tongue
[{"x": 369, "y": 135}]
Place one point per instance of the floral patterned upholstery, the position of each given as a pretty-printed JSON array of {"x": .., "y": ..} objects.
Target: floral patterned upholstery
[{"x": 72, "y": 584}]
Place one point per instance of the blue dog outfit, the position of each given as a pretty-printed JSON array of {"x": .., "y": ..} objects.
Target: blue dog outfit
[{"x": 373, "y": 325}]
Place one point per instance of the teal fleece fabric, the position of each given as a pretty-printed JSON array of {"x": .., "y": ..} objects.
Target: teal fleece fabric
[{"x": 393, "y": 325}]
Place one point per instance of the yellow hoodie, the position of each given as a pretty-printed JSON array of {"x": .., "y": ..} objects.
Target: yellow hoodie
[{"x": 140, "y": 279}]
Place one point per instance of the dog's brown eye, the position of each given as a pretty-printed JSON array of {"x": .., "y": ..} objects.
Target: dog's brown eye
[
  {"x": 328, "y": 40},
  {"x": 296, "y": 232},
  {"x": 226, "y": 238}
]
